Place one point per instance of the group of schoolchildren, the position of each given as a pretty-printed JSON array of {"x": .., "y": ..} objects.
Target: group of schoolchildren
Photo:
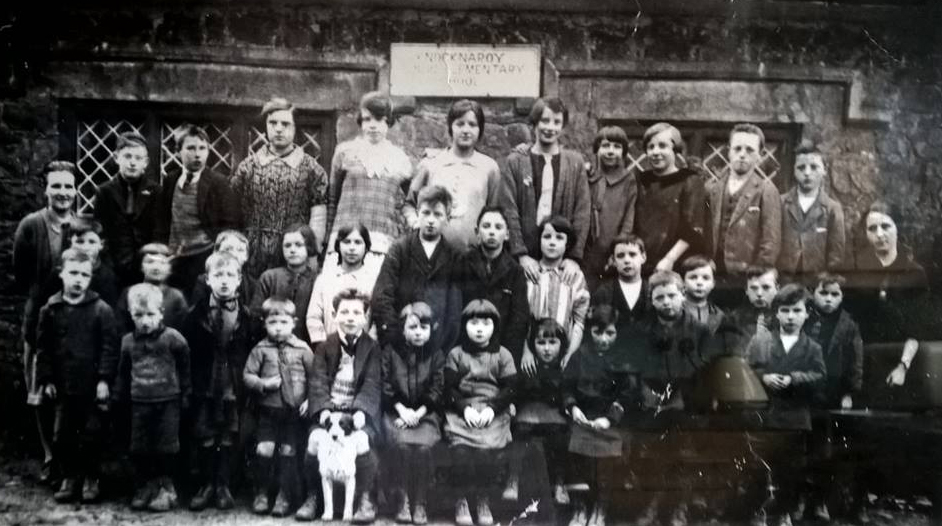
[{"x": 467, "y": 348}]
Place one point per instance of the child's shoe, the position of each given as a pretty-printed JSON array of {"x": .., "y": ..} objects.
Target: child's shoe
[
  {"x": 560, "y": 495},
  {"x": 679, "y": 515},
  {"x": 282, "y": 505},
  {"x": 203, "y": 497},
  {"x": 784, "y": 520},
  {"x": 579, "y": 515},
  {"x": 598, "y": 515},
  {"x": 224, "y": 500},
  {"x": 260, "y": 504},
  {"x": 512, "y": 490},
  {"x": 822, "y": 513},
  {"x": 90, "y": 490},
  {"x": 485, "y": 518},
  {"x": 366, "y": 511},
  {"x": 463, "y": 513},
  {"x": 67, "y": 490},
  {"x": 143, "y": 496},
  {"x": 404, "y": 516},
  {"x": 419, "y": 514},
  {"x": 166, "y": 498},
  {"x": 307, "y": 510}
]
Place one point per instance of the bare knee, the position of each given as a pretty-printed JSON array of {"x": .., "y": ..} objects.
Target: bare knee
[{"x": 265, "y": 449}]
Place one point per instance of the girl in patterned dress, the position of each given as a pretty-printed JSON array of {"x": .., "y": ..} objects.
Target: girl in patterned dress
[
  {"x": 368, "y": 178},
  {"x": 295, "y": 279}
]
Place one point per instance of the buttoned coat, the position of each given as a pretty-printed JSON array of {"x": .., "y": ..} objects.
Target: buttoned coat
[
  {"x": 753, "y": 235},
  {"x": 813, "y": 240}
]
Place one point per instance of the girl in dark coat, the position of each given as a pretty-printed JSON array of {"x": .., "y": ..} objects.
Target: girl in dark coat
[{"x": 413, "y": 377}]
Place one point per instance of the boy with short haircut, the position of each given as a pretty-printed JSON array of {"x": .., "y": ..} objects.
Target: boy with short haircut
[
  {"x": 699, "y": 275},
  {"x": 127, "y": 206},
  {"x": 221, "y": 332},
  {"x": 792, "y": 370},
  {"x": 552, "y": 295},
  {"x": 757, "y": 315},
  {"x": 236, "y": 244},
  {"x": 76, "y": 342},
  {"x": 347, "y": 378},
  {"x": 627, "y": 292},
  {"x": 155, "y": 266},
  {"x": 279, "y": 372},
  {"x": 812, "y": 222},
  {"x": 154, "y": 373},
  {"x": 421, "y": 266},
  {"x": 488, "y": 271}
]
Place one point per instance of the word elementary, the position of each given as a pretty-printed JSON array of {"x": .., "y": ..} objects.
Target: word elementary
[{"x": 474, "y": 62}]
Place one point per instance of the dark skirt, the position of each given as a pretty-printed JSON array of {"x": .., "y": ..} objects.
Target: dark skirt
[
  {"x": 427, "y": 433},
  {"x": 595, "y": 443}
]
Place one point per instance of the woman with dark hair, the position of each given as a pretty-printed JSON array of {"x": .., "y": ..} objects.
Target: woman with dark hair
[
  {"x": 368, "y": 178},
  {"x": 472, "y": 178},
  {"x": 351, "y": 245},
  {"x": 888, "y": 292},
  {"x": 670, "y": 209}
]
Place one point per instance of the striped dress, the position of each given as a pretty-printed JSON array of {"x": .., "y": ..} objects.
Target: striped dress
[{"x": 552, "y": 297}]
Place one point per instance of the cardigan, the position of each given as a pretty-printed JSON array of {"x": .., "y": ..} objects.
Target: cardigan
[
  {"x": 292, "y": 360},
  {"x": 570, "y": 199}
]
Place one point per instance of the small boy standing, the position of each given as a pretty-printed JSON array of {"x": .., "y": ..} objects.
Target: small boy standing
[
  {"x": 791, "y": 367},
  {"x": 757, "y": 315},
  {"x": 154, "y": 371},
  {"x": 837, "y": 333},
  {"x": 627, "y": 293},
  {"x": 699, "y": 275},
  {"x": 221, "y": 331},
  {"x": 76, "y": 341},
  {"x": 155, "y": 266},
  {"x": 278, "y": 372},
  {"x": 347, "y": 378}
]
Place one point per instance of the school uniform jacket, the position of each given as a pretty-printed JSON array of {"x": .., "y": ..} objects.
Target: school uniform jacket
[
  {"x": 571, "y": 200},
  {"x": 408, "y": 275},
  {"x": 505, "y": 287},
  {"x": 814, "y": 241},
  {"x": 124, "y": 234},
  {"x": 753, "y": 235},
  {"x": 367, "y": 378},
  {"x": 216, "y": 205}
]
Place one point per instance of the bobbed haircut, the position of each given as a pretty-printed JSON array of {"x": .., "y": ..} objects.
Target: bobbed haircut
[
  {"x": 278, "y": 307},
  {"x": 695, "y": 262},
  {"x": 662, "y": 278},
  {"x": 480, "y": 308},
  {"x": 561, "y": 225},
  {"x": 59, "y": 166},
  {"x": 627, "y": 239},
  {"x": 613, "y": 134},
  {"x": 348, "y": 229},
  {"x": 751, "y": 129},
  {"x": 145, "y": 295},
  {"x": 553, "y": 103},
  {"x": 459, "y": 108},
  {"x": 421, "y": 310},
  {"x": 226, "y": 234},
  {"x": 189, "y": 130},
  {"x": 85, "y": 224},
  {"x": 824, "y": 279},
  {"x": 130, "y": 140},
  {"x": 432, "y": 195},
  {"x": 789, "y": 295},
  {"x": 276, "y": 104},
  {"x": 310, "y": 242},
  {"x": 548, "y": 328},
  {"x": 218, "y": 260},
  {"x": 351, "y": 294},
  {"x": 757, "y": 271},
  {"x": 74, "y": 255},
  {"x": 379, "y": 105},
  {"x": 677, "y": 140},
  {"x": 601, "y": 315}
]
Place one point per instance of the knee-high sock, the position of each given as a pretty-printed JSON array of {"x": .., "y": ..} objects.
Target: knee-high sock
[
  {"x": 312, "y": 475},
  {"x": 224, "y": 459},
  {"x": 422, "y": 471},
  {"x": 288, "y": 476},
  {"x": 263, "y": 468},
  {"x": 206, "y": 464},
  {"x": 367, "y": 465}
]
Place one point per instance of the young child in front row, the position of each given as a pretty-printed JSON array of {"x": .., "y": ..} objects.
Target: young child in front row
[
  {"x": 221, "y": 331},
  {"x": 597, "y": 388},
  {"x": 278, "y": 372},
  {"x": 154, "y": 373},
  {"x": 791, "y": 368},
  {"x": 539, "y": 414},
  {"x": 347, "y": 378},
  {"x": 699, "y": 275},
  {"x": 155, "y": 267},
  {"x": 76, "y": 342},
  {"x": 479, "y": 382},
  {"x": 413, "y": 380},
  {"x": 295, "y": 280},
  {"x": 553, "y": 295}
]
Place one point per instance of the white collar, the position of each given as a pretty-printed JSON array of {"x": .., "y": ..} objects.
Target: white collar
[{"x": 293, "y": 158}]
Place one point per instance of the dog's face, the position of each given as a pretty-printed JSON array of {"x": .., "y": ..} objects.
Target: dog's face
[{"x": 339, "y": 425}]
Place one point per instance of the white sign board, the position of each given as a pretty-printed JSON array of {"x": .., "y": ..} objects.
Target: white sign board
[{"x": 470, "y": 70}]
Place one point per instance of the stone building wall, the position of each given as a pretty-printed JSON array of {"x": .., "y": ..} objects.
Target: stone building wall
[{"x": 865, "y": 83}]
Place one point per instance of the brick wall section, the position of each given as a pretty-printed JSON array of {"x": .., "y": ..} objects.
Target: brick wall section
[{"x": 899, "y": 58}]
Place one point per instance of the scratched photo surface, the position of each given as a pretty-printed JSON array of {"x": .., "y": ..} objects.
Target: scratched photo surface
[{"x": 471, "y": 262}]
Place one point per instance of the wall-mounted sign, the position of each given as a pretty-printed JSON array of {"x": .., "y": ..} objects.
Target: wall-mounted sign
[{"x": 470, "y": 70}]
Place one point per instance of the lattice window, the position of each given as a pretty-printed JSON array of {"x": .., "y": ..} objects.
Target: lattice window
[
  {"x": 88, "y": 132},
  {"x": 95, "y": 143}
]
